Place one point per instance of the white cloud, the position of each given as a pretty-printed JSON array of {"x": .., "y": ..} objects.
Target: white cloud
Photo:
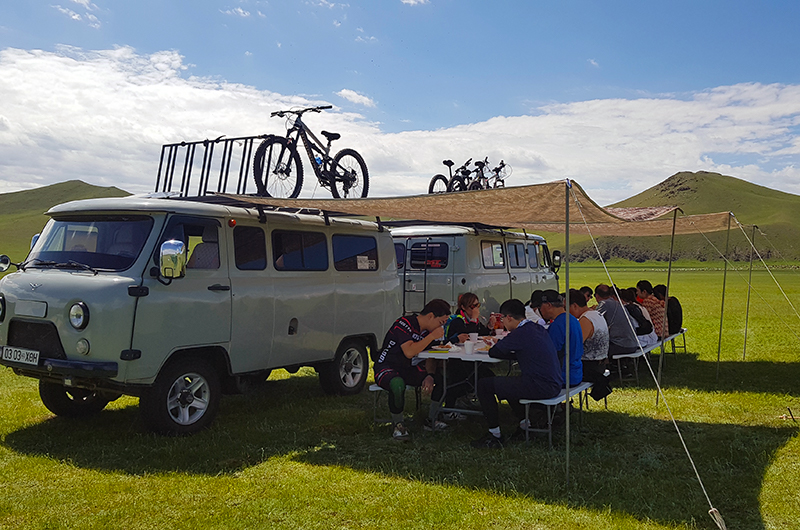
[
  {"x": 593, "y": 63},
  {"x": 237, "y": 11},
  {"x": 86, "y": 4},
  {"x": 102, "y": 116},
  {"x": 354, "y": 97},
  {"x": 69, "y": 12},
  {"x": 414, "y": 2},
  {"x": 365, "y": 39}
]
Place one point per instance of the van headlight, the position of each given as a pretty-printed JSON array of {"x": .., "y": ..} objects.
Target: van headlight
[
  {"x": 2, "y": 307},
  {"x": 79, "y": 315}
]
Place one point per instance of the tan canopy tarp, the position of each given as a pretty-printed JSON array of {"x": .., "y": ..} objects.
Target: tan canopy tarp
[{"x": 538, "y": 207}]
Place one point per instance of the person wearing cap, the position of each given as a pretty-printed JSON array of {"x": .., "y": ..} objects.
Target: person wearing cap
[
  {"x": 553, "y": 309},
  {"x": 531, "y": 347},
  {"x": 532, "y": 309}
]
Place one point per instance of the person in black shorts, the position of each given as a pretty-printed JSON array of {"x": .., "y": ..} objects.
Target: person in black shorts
[{"x": 394, "y": 368}]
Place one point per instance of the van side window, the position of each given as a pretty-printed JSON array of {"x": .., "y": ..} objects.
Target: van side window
[
  {"x": 201, "y": 237},
  {"x": 516, "y": 256},
  {"x": 532, "y": 256},
  {"x": 299, "y": 251},
  {"x": 354, "y": 253},
  {"x": 400, "y": 255},
  {"x": 249, "y": 248},
  {"x": 431, "y": 255},
  {"x": 544, "y": 256},
  {"x": 492, "y": 253}
]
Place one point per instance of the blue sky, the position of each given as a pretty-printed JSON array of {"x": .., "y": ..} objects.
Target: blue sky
[{"x": 617, "y": 95}]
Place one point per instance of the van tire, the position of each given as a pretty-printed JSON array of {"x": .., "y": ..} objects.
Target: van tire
[
  {"x": 347, "y": 373},
  {"x": 71, "y": 402},
  {"x": 184, "y": 398}
]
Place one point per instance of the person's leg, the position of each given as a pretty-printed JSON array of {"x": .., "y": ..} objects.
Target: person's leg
[
  {"x": 392, "y": 381},
  {"x": 486, "y": 393}
]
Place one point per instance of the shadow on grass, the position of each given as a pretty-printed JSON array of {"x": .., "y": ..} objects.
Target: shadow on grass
[
  {"x": 629, "y": 464},
  {"x": 686, "y": 370}
]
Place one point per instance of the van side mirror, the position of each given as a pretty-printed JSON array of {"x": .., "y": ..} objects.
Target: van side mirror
[
  {"x": 172, "y": 259},
  {"x": 5, "y": 263},
  {"x": 556, "y": 260}
]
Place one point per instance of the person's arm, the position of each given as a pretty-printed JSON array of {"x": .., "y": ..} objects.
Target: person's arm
[
  {"x": 411, "y": 348},
  {"x": 457, "y": 332},
  {"x": 507, "y": 347},
  {"x": 586, "y": 327}
]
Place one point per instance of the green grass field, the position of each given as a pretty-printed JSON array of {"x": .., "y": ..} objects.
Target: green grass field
[{"x": 288, "y": 456}]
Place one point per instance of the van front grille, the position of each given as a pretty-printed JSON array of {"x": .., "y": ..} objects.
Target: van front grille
[{"x": 40, "y": 336}]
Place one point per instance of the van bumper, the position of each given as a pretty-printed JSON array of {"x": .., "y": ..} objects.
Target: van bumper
[{"x": 65, "y": 368}]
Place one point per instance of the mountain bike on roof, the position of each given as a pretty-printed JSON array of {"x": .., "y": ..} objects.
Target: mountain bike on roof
[
  {"x": 485, "y": 179},
  {"x": 278, "y": 170}
]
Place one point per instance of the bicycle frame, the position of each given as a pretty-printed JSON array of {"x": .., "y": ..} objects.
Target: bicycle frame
[{"x": 311, "y": 144}]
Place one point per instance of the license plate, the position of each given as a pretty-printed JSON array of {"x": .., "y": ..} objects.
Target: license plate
[{"x": 20, "y": 355}]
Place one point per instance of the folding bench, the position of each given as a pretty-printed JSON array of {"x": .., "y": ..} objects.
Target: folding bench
[
  {"x": 377, "y": 392},
  {"x": 550, "y": 404}
]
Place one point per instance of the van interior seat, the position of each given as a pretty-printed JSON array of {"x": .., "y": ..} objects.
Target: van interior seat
[{"x": 206, "y": 254}]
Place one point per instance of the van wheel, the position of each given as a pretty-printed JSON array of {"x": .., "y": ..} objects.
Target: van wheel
[
  {"x": 71, "y": 402},
  {"x": 347, "y": 373},
  {"x": 183, "y": 400}
]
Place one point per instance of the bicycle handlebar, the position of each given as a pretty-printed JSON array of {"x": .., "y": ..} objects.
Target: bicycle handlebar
[{"x": 299, "y": 112}]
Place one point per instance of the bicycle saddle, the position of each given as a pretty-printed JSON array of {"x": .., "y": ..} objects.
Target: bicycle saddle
[
  {"x": 331, "y": 136},
  {"x": 448, "y": 163},
  {"x": 479, "y": 164}
]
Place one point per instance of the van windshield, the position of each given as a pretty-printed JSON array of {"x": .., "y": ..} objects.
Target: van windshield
[{"x": 109, "y": 243}]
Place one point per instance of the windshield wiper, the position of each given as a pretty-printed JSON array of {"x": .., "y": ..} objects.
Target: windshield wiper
[
  {"x": 72, "y": 264},
  {"x": 37, "y": 261}
]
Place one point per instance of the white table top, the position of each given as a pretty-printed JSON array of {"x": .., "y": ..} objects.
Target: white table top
[{"x": 459, "y": 353}]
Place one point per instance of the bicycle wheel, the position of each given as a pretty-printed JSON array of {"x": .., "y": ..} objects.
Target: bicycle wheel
[
  {"x": 475, "y": 185},
  {"x": 438, "y": 184},
  {"x": 277, "y": 169},
  {"x": 457, "y": 183},
  {"x": 350, "y": 175}
]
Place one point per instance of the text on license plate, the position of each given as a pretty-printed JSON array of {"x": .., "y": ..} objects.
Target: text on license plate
[{"x": 20, "y": 355}]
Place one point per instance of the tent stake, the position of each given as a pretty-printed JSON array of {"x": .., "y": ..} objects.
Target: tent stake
[
  {"x": 749, "y": 284},
  {"x": 724, "y": 280}
]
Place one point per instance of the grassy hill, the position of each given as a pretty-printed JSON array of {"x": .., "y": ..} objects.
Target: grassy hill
[
  {"x": 22, "y": 212},
  {"x": 777, "y": 214}
]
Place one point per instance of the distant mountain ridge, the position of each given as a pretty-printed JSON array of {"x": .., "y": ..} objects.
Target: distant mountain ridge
[
  {"x": 776, "y": 213},
  {"x": 22, "y": 212}
]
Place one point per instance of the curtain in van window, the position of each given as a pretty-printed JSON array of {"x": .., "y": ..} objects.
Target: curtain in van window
[
  {"x": 299, "y": 251},
  {"x": 354, "y": 253}
]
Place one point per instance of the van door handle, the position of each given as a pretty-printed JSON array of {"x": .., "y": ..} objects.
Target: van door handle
[{"x": 219, "y": 287}]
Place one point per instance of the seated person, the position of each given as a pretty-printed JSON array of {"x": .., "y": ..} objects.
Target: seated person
[
  {"x": 552, "y": 309},
  {"x": 531, "y": 347},
  {"x": 595, "y": 338},
  {"x": 393, "y": 368},
  {"x": 461, "y": 374},
  {"x": 466, "y": 320},
  {"x": 532, "y": 310},
  {"x": 587, "y": 293},
  {"x": 674, "y": 309},
  {"x": 654, "y": 306},
  {"x": 621, "y": 335},
  {"x": 642, "y": 323}
]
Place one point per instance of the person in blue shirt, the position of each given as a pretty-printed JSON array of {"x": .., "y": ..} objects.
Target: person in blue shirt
[
  {"x": 529, "y": 345},
  {"x": 553, "y": 310}
]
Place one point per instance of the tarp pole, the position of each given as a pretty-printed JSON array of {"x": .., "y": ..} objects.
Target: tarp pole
[
  {"x": 724, "y": 280},
  {"x": 666, "y": 299},
  {"x": 749, "y": 284},
  {"x": 565, "y": 262}
]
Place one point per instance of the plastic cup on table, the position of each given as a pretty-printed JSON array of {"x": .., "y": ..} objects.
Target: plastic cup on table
[
  {"x": 469, "y": 348},
  {"x": 473, "y": 337}
]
